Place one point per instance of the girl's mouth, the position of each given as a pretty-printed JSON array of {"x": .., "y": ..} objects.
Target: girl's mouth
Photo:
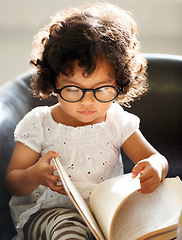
[{"x": 86, "y": 112}]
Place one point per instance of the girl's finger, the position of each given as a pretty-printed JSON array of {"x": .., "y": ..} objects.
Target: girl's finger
[
  {"x": 149, "y": 185},
  {"x": 58, "y": 188}
]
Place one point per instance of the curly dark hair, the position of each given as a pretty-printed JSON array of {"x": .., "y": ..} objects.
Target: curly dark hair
[{"x": 84, "y": 34}]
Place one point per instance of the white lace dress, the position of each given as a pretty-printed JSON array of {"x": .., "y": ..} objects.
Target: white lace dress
[{"x": 90, "y": 154}]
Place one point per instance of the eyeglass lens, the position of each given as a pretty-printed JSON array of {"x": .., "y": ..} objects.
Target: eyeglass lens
[{"x": 103, "y": 94}]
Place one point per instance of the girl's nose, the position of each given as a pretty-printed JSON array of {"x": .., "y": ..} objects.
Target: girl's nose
[{"x": 88, "y": 98}]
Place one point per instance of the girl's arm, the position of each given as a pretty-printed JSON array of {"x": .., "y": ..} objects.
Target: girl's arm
[
  {"x": 151, "y": 165},
  {"x": 26, "y": 172}
]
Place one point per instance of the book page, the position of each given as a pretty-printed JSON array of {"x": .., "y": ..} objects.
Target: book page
[
  {"x": 124, "y": 213},
  {"x": 164, "y": 236},
  {"x": 144, "y": 215},
  {"x": 78, "y": 201},
  {"x": 107, "y": 196}
]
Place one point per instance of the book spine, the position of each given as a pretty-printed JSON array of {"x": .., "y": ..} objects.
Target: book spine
[{"x": 179, "y": 233}]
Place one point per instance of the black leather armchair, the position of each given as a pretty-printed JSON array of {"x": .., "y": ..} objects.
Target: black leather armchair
[{"x": 160, "y": 112}]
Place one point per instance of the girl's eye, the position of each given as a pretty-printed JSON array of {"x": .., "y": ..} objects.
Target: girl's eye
[
  {"x": 72, "y": 89},
  {"x": 103, "y": 90},
  {"x": 100, "y": 90}
]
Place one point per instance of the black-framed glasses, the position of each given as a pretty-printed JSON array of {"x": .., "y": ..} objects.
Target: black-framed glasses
[{"x": 72, "y": 93}]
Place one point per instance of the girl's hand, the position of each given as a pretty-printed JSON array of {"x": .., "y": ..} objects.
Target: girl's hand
[
  {"x": 151, "y": 172},
  {"x": 44, "y": 173},
  {"x": 150, "y": 164}
]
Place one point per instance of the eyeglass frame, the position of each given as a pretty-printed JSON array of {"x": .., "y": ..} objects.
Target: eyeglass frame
[{"x": 84, "y": 90}]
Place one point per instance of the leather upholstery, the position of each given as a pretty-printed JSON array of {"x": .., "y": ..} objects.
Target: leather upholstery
[
  {"x": 15, "y": 101},
  {"x": 160, "y": 112}
]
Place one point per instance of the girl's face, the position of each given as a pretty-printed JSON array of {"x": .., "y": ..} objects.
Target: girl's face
[{"x": 88, "y": 110}]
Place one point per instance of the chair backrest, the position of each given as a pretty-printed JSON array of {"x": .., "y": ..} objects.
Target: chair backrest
[
  {"x": 15, "y": 101},
  {"x": 160, "y": 110}
]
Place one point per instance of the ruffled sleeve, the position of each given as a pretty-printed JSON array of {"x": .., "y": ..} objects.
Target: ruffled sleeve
[
  {"x": 29, "y": 130},
  {"x": 130, "y": 123},
  {"x": 125, "y": 124}
]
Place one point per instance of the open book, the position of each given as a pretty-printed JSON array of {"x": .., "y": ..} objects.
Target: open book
[{"x": 118, "y": 211}]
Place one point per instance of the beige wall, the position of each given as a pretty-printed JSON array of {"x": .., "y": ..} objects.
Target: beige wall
[{"x": 159, "y": 27}]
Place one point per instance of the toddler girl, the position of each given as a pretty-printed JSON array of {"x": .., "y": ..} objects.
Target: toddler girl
[{"x": 89, "y": 58}]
